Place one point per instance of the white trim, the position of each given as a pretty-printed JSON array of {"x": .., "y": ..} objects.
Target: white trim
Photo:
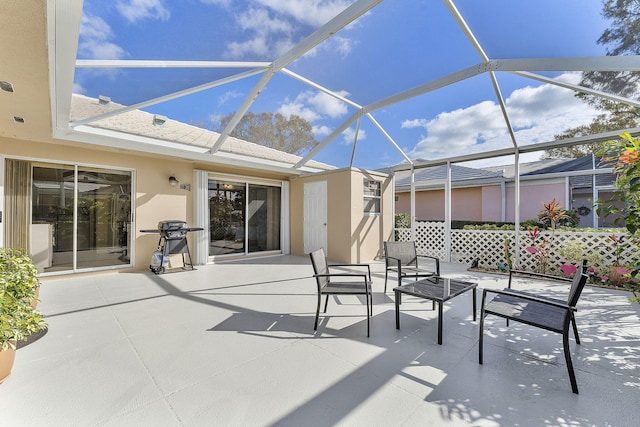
[
  {"x": 285, "y": 218},
  {"x": 201, "y": 215},
  {"x": 245, "y": 180}
]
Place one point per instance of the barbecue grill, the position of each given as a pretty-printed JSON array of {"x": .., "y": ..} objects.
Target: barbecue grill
[{"x": 173, "y": 240}]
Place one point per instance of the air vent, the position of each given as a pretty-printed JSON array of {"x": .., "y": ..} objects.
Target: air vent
[{"x": 6, "y": 86}]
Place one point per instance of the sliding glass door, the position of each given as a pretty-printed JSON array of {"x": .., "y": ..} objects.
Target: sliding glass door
[
  {"x": 243, "y": 217},
  {"x": 80, "y": 217}
]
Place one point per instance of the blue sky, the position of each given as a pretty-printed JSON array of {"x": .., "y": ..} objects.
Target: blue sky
[{"x": 394, "y": 47}]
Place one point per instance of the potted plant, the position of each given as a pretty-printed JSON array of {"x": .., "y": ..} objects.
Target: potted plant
[{"x": 18, "y": 318}]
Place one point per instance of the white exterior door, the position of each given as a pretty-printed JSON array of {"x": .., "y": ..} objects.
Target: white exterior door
[{"x": 315, "y": 216}]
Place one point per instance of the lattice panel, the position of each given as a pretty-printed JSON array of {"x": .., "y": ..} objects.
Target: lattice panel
[
  {"x": 488, "y": 246},
  {"x": 484, "y": 245}
]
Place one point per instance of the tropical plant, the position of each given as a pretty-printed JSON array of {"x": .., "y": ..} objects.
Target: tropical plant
[
  {"x": 18, "y": 286},
  {"x": 624, "y": 153}
]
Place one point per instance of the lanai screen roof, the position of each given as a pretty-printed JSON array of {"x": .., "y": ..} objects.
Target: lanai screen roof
[{"x": 391, "y": 71}]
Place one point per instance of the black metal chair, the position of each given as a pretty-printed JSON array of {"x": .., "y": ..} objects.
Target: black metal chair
[
  {"x": 347, "y": 283},
  {"x": 401, "y": 258},
  {"x": 550, "y": 314},
  {"x": 537, "y": 275}
]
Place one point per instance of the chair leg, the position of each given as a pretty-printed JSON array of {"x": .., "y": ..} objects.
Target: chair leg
[
  {"x": 575, "y": 329},
  {"x": 386, "y": 273},
  {"x": 481, "y": 330},
  {"x": 326, "y": 303},
  {"x": 315, "y": 326},
  {"x": 567, "y": 358},
  {"x": 368, "y": 315}
]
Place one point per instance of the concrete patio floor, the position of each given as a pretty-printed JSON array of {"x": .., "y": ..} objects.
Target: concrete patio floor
[{"x": 232, "y": 344}]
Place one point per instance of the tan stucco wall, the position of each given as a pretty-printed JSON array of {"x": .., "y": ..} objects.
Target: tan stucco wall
[
  {"x": 155, "y": 199},
  {"x": 351, "y": 235}
]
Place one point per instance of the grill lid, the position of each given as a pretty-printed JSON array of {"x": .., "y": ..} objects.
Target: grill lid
[{"x": 172, "y": 225}]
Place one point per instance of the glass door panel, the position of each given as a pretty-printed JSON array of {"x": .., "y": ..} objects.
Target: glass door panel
[
  {"x": 226, "y": 217},
  {"x": 264, "y": 218},
  {"x": 52, "y": 217},
  {"x": 97, "y": 235},
  {"x": 104, "y": 217}
]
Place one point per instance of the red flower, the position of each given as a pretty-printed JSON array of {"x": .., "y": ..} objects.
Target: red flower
[
  {"x": 568, "y": 269},
  {"x": 629, "y": 156}
]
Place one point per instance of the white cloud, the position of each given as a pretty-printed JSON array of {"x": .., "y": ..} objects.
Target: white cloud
[
  {"x": 313, "y": 106},
  {"x": 309, "y": 12},
  {"x": 271, "y": 36},
  {"x": 94, "y": 43},
  {"x": 272, "y": 27},
  {"x": 536, "y": 114},
  {"x": 139, "y": 10},
  {"x": 321, "y": 131},
  {"x": 227, "y": 96},
  {"x": 350, "y": 133},
  {"x": 327, "y": 105}
]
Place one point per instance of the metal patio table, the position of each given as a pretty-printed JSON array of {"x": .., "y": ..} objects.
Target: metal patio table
[{"x": 437, "y": 289}]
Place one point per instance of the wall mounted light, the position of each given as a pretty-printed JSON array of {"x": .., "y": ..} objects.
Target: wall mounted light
[{"x": 173, "y": 181}]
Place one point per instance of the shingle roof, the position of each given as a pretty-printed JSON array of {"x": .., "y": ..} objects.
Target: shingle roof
[
  {"x": 437, "y": 174},
  {"x": 140, "y": 123},
  {"x": 463, "y": 176}
]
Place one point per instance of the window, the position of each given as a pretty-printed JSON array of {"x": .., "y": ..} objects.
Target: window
[{"x": 371, "y": 196}]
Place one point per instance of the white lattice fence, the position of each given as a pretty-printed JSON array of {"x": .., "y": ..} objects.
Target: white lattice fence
[{"x": 487, "y": 246}]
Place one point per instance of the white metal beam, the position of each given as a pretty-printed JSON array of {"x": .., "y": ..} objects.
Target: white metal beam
[
  {"x": 320, "y": 87},
  {"x": 596, "y": 63},
  {"x": 578, "y": 88},
  {"x": 386, "y": 135},
  {"x": 541, "y": 146},
  {"x": 139, "y": 63},
  {"x": 344, "y": 18},
  {"x": 426, "y": 87},
  {"x": 168, "y": 97},
  {"x": 465, "y": 29},
  {"x": 328, "y": 139}
]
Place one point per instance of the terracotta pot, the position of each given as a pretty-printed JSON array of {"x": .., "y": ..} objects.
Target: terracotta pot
[{"x": 6, "y": 363}]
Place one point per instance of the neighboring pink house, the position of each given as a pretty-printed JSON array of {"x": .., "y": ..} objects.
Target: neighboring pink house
[{"x": 488, "y": 194}]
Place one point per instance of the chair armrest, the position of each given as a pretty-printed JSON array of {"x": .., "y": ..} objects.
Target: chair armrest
[
  {"x": 367, "y": 280},
  {"x": 536, "y": 275},
  {"x": 436, "y": 259},
  {"x": 526, "y": 297},
  {"x": 387, "y": 260},
  {"x": 354, "y": 265}
]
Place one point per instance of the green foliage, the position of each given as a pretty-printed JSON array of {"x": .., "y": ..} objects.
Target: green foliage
[
  {"x": 507, "y": 253},
  {"x": 18, "y": 284},
  {"x": 572, "y": 252},
  {"x": 625, "y": 153},
  {"x": 621, "y": 38},
  {"x": 402, "y": 220}
]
